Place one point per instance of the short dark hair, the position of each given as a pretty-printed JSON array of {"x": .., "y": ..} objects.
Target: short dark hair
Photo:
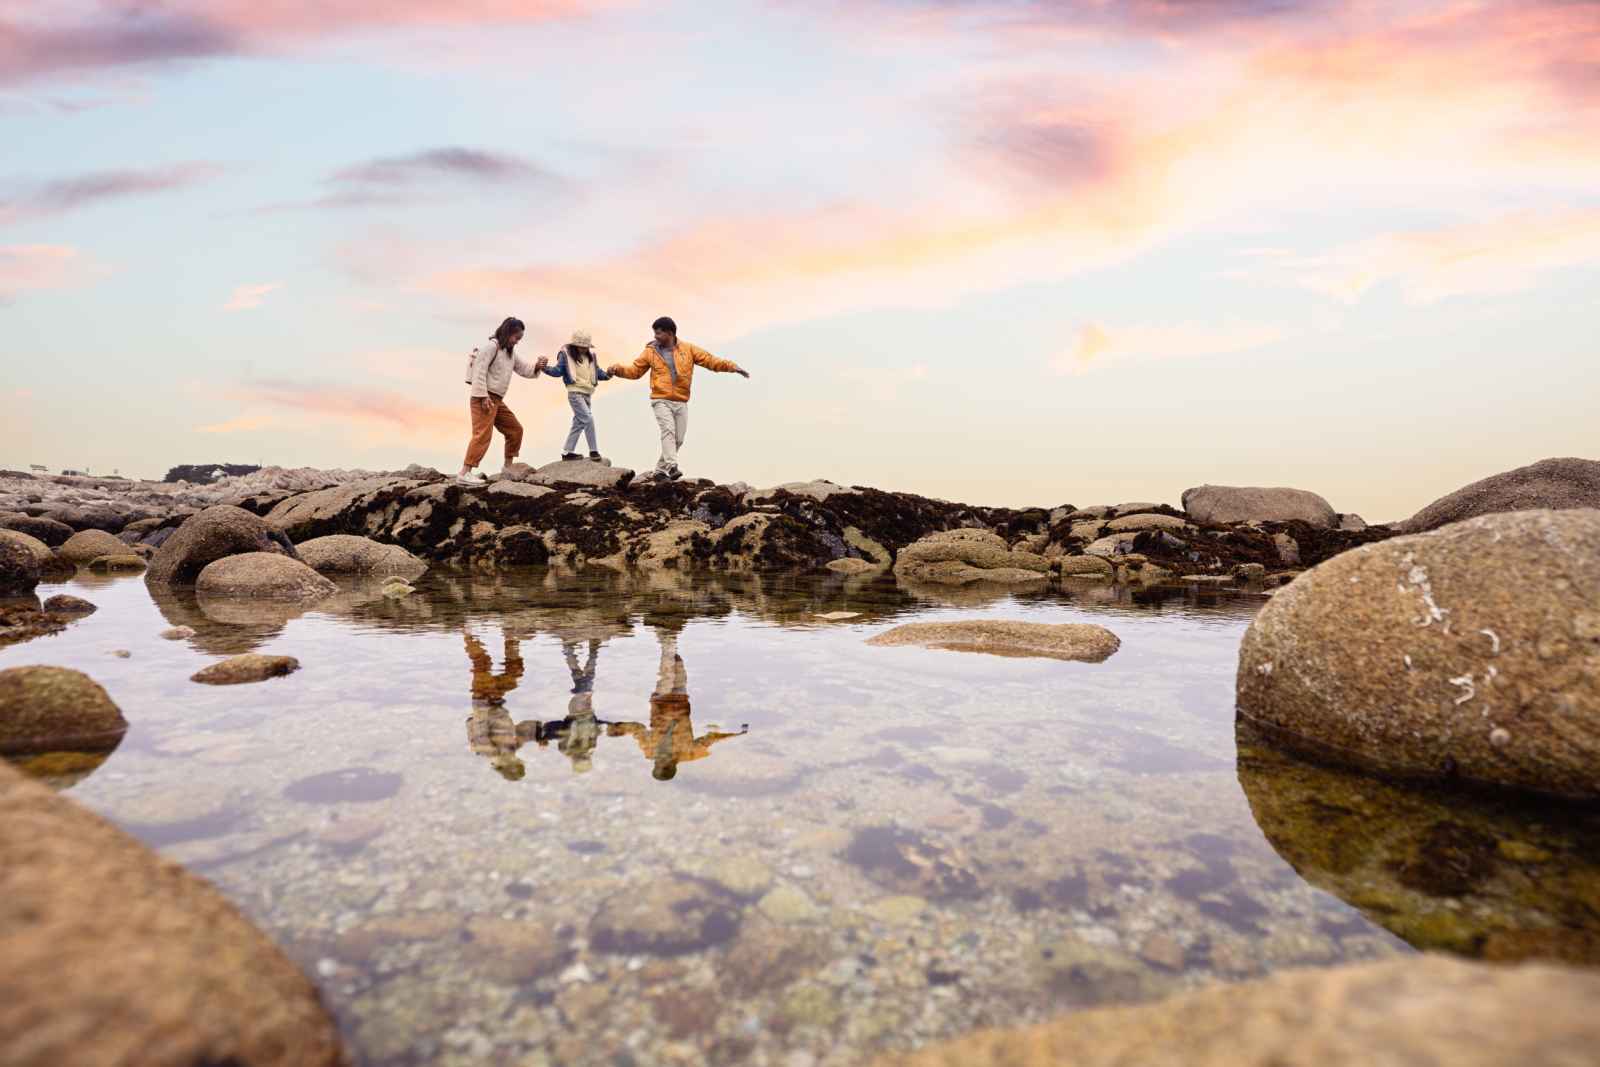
[{"x": 664, "y": 323}]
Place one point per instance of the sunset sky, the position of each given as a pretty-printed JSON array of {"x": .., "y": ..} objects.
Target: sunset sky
[{"x": 989, "y": 250}]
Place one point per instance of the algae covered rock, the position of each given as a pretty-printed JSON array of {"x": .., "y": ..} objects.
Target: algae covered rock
[
  {"x": 117, "y": 563},
  {"x": 86, "y": 546},
  {"x": 957, "y": 557},
  {"x": 248, "y": 667},
  {"x": 51, "y": 532},
  {"x": 65, "y": 604},
  {"x": 1471, "y": 651},
  {"x": 19, "y": 568},
  {"x": 213, "y": 534},
  {"x": 265, "y": 575},
  {"x": 1426, "y": 1010},
  {"x": 349, "y": 554},
  {"x": 117, "y": 956},
  {"x": 1215, "y": 505},
  {"x": 44, "y": 709},
  {"x": 1085, "y": 642}
]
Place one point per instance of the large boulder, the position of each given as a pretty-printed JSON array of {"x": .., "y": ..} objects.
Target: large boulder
[
  {"x": 572, "y": 472},
  {"x": 1069, "y": 641},
  {"x": 89, "y": 517},
  {"x": 1422, "y": 1010},
  {"x": 1553, "y": 484},
  {"x": 360, "y": 506},
  {"x": 958, "y": 557},
  {"x": 215, "y": 533},
  {"x": 1219, "y": 505},
  {"x": 349, "y": 554},
  {"x": 1471, "y": 651},
  {"x": 37, "y": 548},
  {"x": 19, "y": 568},
  {"x": 86, "y": 546},
  {"x": 114, "y": 955},
  {"x": 263, "y": 575},
  {"x": 49, "y": 531},
  {"x": 47, "y": 709}
]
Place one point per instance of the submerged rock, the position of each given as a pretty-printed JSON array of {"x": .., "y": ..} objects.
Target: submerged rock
[
  {"x": 114, "y": 955},
  {"x": 1215, "y": 505},
  {"x": 958, "y": 557},
  {"x": 86, "y": 546},
  {"x": 117, "y": 563},
  {"x": 1085, "y": 642},
  {"x": 1552, "y": 484},
  {"x": 1471, "y": 651},
  {"x": 667, "y": 919},
  {"x": 216, "y": 533},
  {"x": 265, "y": 575},
  {"x": 21, "y": 622},
  {"x": 45, "y": 709},
  {"x": 1428, "y": 1010},
  {"x": 64, "y": 604},
  {"x": 250, "y": 667},
  {"x": 348, "y": 554},
  {"x": 1477, "y": 874}
]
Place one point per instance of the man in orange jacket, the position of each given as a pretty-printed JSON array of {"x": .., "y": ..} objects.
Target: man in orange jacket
[{"x": 671, "y": 364}]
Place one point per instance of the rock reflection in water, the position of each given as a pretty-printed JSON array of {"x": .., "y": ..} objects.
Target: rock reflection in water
[
  {"x": 1480, "y": 875},
  {"x": 61, "y": 770}
]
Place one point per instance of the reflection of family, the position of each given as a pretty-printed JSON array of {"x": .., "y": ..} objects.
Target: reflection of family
[
  {"x": 669, "y": 361},
  {"x": 668, "y": 740}
]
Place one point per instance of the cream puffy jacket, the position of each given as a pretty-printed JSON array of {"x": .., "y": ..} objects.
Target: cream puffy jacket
[{"x": 489, "y": 370}]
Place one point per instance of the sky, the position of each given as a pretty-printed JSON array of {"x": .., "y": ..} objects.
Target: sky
[{"x": 1000, "y": 251}]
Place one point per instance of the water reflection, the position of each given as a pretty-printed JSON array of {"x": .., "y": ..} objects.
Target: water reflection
[
  {"x": 1477, "y": 874},
  {"x": 670, "y": 739}
]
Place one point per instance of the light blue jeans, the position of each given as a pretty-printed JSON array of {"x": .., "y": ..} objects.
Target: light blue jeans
[{"x": 582, "y": 422}]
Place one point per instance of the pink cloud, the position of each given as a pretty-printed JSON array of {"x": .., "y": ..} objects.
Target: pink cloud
[
  {"x": 25, "y": 268},
  {"x": 1096, "y": 345},
  {"x": 250, "y": 297},
  {"x": 241, "y": 424},
  {"x": 84, "y": 190}
]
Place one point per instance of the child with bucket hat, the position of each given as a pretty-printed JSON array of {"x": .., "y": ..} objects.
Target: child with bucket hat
[{"x": 578, "y": 366}]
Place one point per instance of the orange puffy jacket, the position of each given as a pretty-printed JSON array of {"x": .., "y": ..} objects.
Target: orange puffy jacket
[{"x": 664, "y": 385}]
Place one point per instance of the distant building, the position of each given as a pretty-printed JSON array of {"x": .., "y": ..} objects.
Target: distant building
[
  {"x": 73, "y": 473},
  {"x": 39, "y": 468}
]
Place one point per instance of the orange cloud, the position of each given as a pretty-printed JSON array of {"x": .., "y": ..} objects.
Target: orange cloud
[
  {"x": 242, "y": 424},
  {"x": 249, "y": 297},
  {"x": 1095, "y": 344}
]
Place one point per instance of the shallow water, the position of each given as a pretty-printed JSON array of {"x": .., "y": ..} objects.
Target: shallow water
[{"x": 523, "y": 818}]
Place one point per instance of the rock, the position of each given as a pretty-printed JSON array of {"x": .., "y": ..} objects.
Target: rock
[
  {"x": 46, "y": 709},
  {"x": 1471, "y": 651},
  {"x": 788, "y": 904},
  {"x": 37, "y": 548},
  {"x": 1250, "y": 572},
  {"x": 1423, "y": 1010},
  {"x": 1116, "y": 544},
  {"x": 743, "y": 876},
  {"x": 119, "y": 563},
  {"x": 86, "y": 546},
  {"x": 1352, "y": 522},
  {"x": 115, "y": 956},
  {"x": 263, "y": 574},
  {"x": 1084, "y": 567},
  {"x": 63, "y": 604},
  {"x": 958, "y": 557},
  {"x": 19, "y": 568},
  {"x": 1162, "y": 950},
  {"x": 1468, "y": 872},
  {"x": 1097, "y": 512},
  {"x": 51, "y": 532},
  {"x": 1288, "y": 549},
  {"x": 519, "y": 490},
  {"x": 669, "y": 919},
  {"x": 177, "y": 633},
  {"x": 216, "y": 533},
  {"x": 897, "y": 910},
  {"x": 249, "y": 667},
  {"x": 1139, "y": 522},
  {"x": 852, "y": 565},
  {"x": 24, "y": 622},
  {"x": 1217, "y": 505},
  {"x": 1552, "y": 484},
  {"x": 1085, "y": 642},
  {"x": 514, "y": 951},
  {"x": 348, "y": 554},
  {"x": 572, "y": 472},
  {"x": 820, "y": 489}
]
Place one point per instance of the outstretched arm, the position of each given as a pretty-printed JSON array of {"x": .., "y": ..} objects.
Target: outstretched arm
[
  {"x": 556, "y": 370},
  {"x": 712, "y": 363},
  {"x": 632, "y": 370}
]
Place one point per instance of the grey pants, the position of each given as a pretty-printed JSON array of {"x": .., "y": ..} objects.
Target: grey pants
[
  {"x": 582, "y": 422},
  {"x": 673, "y": 418}
]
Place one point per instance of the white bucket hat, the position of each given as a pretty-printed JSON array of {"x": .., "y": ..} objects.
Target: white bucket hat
[{"x": 582, "y": 339}]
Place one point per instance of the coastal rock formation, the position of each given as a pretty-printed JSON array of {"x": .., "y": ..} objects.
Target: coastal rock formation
[
  {"x": 49, "y": 531},
  {"x": 958, "y": 557},
  {"x": 1471, "y": 651},
  {"x": 1553, "y": 484},
  {"x": 213, "y": 534},
  {"x": 206, "y": 473},
  {"x": 1426, "y": 1010},
  {"x": 46, "y": 709},
  {"x": 349, "y": 554},
  {"x": 263, "y": 575},
  {"x": 1216, "y": 505},
  {"x": 66, "y": 604},
  {"x": 1484, "y": 874},
  {"x": 595, "y": 475},
  {"x": 249, "y": 667},
  {"x": 1069, "y": 641},
  {"x": 19, "y": 568},
  {"x": 38, "y": 549},
  {"x": 86, "y": 546},
  {"x": 116, "y": 956}
]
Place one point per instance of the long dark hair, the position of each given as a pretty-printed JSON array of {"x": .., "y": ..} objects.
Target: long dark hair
[
  {"x": 507, "y": 328},
  {"x": 580, "y": 353}
]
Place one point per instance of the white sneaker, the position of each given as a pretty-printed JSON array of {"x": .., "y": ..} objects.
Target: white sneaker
[{"x": 473, "y": 479}]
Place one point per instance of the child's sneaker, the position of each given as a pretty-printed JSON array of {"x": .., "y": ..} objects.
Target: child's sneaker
[
  {"x": 570, "y": 455},
  {"x": 596, "y": 457},
  {"x": 674, "y": 474}
]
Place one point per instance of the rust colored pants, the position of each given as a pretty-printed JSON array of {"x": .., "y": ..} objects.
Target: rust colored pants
[{"x": 490, "y": 413}]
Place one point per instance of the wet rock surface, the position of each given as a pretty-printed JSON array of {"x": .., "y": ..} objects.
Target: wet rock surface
[
  {"x": 348, "y": 554},
  {"x": 1552, "y": 484},
  {"x": 263, "y": 575},
  {"x": 19, "y": 568},
  {"x": 1472, "y": 651},
  {"x": 214, "y": 534},
  {"x": 86, "y": 546},
  {"x": 117, "y": 956},
  {"x": 46, "y": 709},
  {"x": 1428, "y": 1010},
  {"x": 250, "y": 667},
  {"x": 1085, "y": 642}
]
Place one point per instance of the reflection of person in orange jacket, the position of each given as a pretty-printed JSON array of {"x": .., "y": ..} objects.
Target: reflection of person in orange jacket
[
  {"x": 490, "y": 731},
  {"x": 669, "y": 740}
]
